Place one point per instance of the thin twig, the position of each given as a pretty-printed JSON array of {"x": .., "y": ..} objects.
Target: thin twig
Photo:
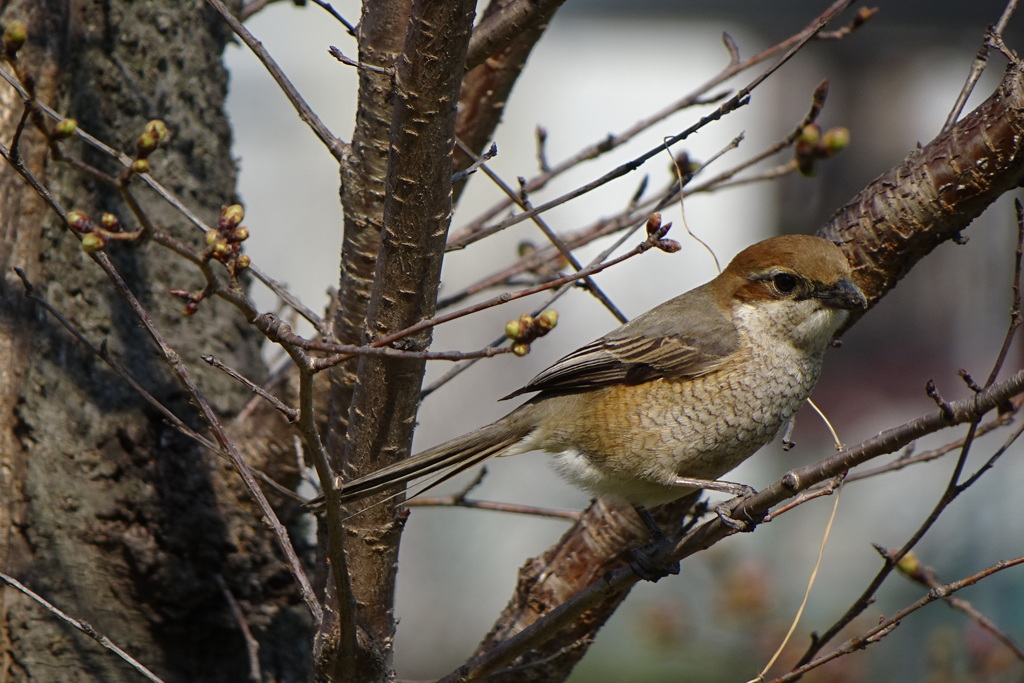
[
  {"x": 348, "y": 61},
  {"x": 636, "y": 212},
  {"x": 341, "y": 20},
  {"x": 922, "y": 574},
  {"x": 978, "y": 66},
  {"x": 460, "y": 499},
  {"x": 521, "y": 200},
  {"x": 181, "y": 371},
  {"x": 696, "y": 97},
  {"x": 103, "y": 354},
  {"x": 279, "y": 290},
  {"x": 886, "y": 626},
  {"x": 334, "y": 145},
  {"x": 291, "y": 414},
  {"x": 457, "y": 501},
  {"x": 82, "y": 626},
  {"x": 1015, "y": 313},
  {"x": 278, "y": 330},
  {"x": 950, "y": 414},
  {"x": 252, "y": 645}
]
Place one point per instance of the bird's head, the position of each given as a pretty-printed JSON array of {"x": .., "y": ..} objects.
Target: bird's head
[{"x": 796, "y": 287}]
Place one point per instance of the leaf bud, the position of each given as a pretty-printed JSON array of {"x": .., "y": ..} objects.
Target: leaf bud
[
  {"x": 65, "y": 128},
  {"x": 810, "y": 135},
  {"x": 514, "y": 329},
  {"x": 835, "y": 139},
  {"x": 109, "y": 221},
  {"x": 668, "y": 246},
  {"x": 140, "y": 166},
  {"x": 526, "y": 248},
  {"x": 232, "y": 215},
  {"x": 79, "y": 221},
  {"x": 520, "y": 349},
  {"x": 158, "y": 129},
  {"x": 653, "y": 223},
  {"x": 93, "y": 242},
  {"x": 15, "y": 36},
  {"x": 909, "y": 564},
  {"x": 547, "y": 320},
  {"x": 146, "y": 144}
]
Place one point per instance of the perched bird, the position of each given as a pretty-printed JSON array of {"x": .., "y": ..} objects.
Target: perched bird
[{"x": 680, "y": 395}]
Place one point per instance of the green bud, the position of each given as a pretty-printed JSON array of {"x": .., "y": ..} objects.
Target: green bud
[
  {"x": 836, "y": 139},
  {"x": 93, "y": 242},
  {"x": 65, "y": 128},
  {"x": 232, "y": 215},
  {"x": 79, "y": 221},
  {"x": 140, "y": 166},
  {"x": 810, "y": 135},
  {"x": 15, "y": 36},
  {"x": 514, "y": 329},
  {"x": 146, "y": 144},
  {"x": 547, "y": 320},
  {"x": 158, "y": 129},
  {"x": 909, "y": 564}
]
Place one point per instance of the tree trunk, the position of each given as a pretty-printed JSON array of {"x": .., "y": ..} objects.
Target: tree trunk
[{"x": 106, "y": 510}]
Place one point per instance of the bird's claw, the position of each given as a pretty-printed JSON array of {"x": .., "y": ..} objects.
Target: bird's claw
[
  {"x": 651, "y": 562},
  {"x": 742, "y": 525}
]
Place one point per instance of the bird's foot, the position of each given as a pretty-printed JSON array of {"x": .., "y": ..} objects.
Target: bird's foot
[
  {"x": 745, "y": 524},
  {"x": 651, "y": 562}
]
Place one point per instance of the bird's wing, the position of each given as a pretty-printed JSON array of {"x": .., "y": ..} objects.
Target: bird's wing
[{"x": 652, "y": 346}]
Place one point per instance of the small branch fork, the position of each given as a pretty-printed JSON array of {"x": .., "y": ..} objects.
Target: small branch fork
[
  {"x": 638, "y": 211},
  {"x": 699, "y": 96},
  {"x": 887, "y": 626},
  {"x": 740, "y": 99}
]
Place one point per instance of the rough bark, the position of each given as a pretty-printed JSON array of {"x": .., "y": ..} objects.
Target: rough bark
[
  {"x": 416, "y": 213},
  {"x": 114, "y": 516},
  {"x": 935, "y": 192}
]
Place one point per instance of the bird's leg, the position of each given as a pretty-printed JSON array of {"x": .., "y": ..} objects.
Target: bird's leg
[
  {"x": 723, "y": 511},
  {"x": 715, "y": 485},
  {"x": 651, "y": 561}
]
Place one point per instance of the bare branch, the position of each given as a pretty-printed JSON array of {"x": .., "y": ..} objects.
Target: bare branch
[
  {"x": 308, "y": 116},
  {"x": 82, "y": 626}
]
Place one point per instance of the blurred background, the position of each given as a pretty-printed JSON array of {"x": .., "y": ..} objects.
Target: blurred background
[{"x": 602, "y": 66}]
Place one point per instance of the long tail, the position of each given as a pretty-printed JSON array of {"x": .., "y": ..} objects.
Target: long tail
[{"x": 451, "y": 458}]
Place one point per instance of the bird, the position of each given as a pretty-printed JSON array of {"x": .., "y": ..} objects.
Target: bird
[{"x": 677, "y": 397}]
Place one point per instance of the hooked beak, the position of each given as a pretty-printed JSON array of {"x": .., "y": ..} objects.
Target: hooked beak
[{"x": 843, "y": 294}]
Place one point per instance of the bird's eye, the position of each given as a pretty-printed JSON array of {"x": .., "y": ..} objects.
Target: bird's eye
[{"x": 784, "y": 283}]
